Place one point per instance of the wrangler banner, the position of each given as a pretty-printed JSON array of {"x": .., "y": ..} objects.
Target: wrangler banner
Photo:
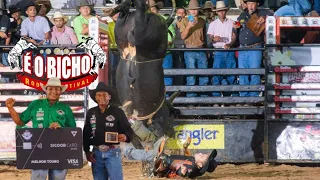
[{"x": 204, "y": 136}]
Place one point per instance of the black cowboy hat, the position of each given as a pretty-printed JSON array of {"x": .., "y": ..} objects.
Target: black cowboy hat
[
  {"x": 102, "y": 87},
  {"x": 28, "y": 5},
  {"x": 211, "y": 164},
  {"x": 261, "y": 2},
  {"x": 13, "y": 9}
]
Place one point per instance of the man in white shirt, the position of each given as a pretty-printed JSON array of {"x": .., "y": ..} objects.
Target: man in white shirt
[{"x": 222, "y": 35}]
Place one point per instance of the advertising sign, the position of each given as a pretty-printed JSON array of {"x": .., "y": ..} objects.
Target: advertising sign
[
  {"x": 204, "y": 136},
  {"x": 45, "y": 148}
]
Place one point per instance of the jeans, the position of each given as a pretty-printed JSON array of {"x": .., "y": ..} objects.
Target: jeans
[
  {"x": 108, "y": 165},
  {"x": 316, "y": 5},
  {"x": 140, "y": 154},
  {"x": 191, "y": 58},
  {"x": 4, "y": 61},
  {"x": 250, "y": 59},
  {"x": 295, "y": 8},
  {"x": 168, "y": 64},
  {"x": 223, "y": 60},
  {"x": 41, "y": 174}
]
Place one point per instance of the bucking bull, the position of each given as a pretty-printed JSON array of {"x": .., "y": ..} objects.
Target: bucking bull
[{"x": 142, "y": 39}]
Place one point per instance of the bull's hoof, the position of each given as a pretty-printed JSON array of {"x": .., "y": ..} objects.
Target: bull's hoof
[
  {"x": 109, "y": 12},
  {"x": 175, "y": 111}
]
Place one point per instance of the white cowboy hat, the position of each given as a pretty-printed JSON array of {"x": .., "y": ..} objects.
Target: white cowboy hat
[
  {"x": 220, "y": 5},
  {"x": 57, "y": 15},
  {"x": 54, "y": 81}
]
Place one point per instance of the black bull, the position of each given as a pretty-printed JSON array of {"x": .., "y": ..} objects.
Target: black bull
[{"x": 142, "y": 40}]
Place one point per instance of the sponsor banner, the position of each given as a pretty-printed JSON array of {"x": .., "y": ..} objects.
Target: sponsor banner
[
  {"x": 294, "y": 141},
  {"x": 8, "y": 139},
  {"x": 204, "y": 136}
]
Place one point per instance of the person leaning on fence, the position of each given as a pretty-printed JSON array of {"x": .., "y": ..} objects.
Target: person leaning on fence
[
  {"x": 80, "y": 23},
  {"x": 101, "y": 120},
  {"x": 5, "y": 36},
  {"x": 35, "y": 27},
  {"x": 247, "y": 39},
  {"x": 222, "y": 35},
  {"x": 15, "y": 13},
  {"x": 45, "y": 7},
  {"x": 45, "y": 113},
  {"x": 192, "y": 30},
  {"x": 62, "y": 34}
]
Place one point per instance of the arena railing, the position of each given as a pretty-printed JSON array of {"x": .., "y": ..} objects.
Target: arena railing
[{"x": 204, "y": 104}]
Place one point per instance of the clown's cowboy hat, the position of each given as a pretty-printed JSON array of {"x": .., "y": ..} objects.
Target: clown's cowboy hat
[
  {"x": 152, "y": 3},
  {"x": 102, "y": 87},
  {"x": 55, "y": 82},
  {"x": 211, "y": 164},
  {"x": 57, "y": 15},
  {"x": 85, "y": 3},
  {"x": 193, "y": 5},
  {"x": 220, "y": 6}
]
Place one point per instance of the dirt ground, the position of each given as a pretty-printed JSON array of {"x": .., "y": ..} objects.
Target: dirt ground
[{"x": 223, "y": 172}]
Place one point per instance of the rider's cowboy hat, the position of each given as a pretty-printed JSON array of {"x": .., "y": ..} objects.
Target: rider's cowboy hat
[
  {"x": 54, "y": 81},
  {"x": 84, "y": 3},
  {"x": 152, "y": 3},
  {"x": 45, "y": 3},
  {"x": 211, "y": 164},
  {"x": 102, "y": 87},
  {"x": 57, "y": 15},
  {"x": 193, "y": 4},
  {"x": 220, "y": 6}
]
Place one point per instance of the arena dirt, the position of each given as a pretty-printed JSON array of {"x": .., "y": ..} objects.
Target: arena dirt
[{"x": 224, "y": 172}]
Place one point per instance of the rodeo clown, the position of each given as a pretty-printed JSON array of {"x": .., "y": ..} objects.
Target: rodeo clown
[
  {"x": 105, "y": 127},
  {"x": 46, "y": 113}
]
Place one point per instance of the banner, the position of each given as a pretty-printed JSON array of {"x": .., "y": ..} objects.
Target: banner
[{"x": 204, "y": 136}]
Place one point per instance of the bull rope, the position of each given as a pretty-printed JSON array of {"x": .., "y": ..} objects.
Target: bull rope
[
  {"x": 137, "y": 62},
  {"x": 149, "y": 117}
]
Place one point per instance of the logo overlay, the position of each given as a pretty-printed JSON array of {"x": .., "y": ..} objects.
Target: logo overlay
[{"x": 73, "y": 69}]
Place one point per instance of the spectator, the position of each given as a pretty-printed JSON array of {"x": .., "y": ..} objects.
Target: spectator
[
  {"x": 207, "y": 11},
  {"x": 247, "y": 39},
  {"x": 193, "y": 32},
  {"x": 295, "y": 8},
  {"x": 222, "y": 35},
  {"x": 62, "y": 34},
  {"x": 5, "y": 36},
  {"x": 168, "y": 59},
  {"x": 80, "y": 23},
  {"x": 45, "y": 7},
  {"x": 15, "y": 13},
  {"x": 180, "y": 14},
  {"x": 35, "y": 27}
]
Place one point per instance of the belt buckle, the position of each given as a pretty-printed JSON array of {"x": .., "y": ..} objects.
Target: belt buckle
[{"x": 103, "y": 148}]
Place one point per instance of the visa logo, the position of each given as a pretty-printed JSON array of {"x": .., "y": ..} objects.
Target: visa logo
[{"x": 73, "y": 161}]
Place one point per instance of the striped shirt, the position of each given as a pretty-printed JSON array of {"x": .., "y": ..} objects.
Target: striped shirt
[{"x": 222, "y": 29}]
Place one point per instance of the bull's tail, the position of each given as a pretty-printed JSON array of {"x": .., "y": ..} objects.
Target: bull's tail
[
  {"x": 173, "y": 13},
  {"x": 173, "y": 96}
]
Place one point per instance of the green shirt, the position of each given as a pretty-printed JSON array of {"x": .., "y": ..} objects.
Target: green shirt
[
  {"x": 77, "y": 26},
  {"x": 42, "y": 114},
  {"x": 171, "y": 34},
  {"x": 111, "y": 36}
]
